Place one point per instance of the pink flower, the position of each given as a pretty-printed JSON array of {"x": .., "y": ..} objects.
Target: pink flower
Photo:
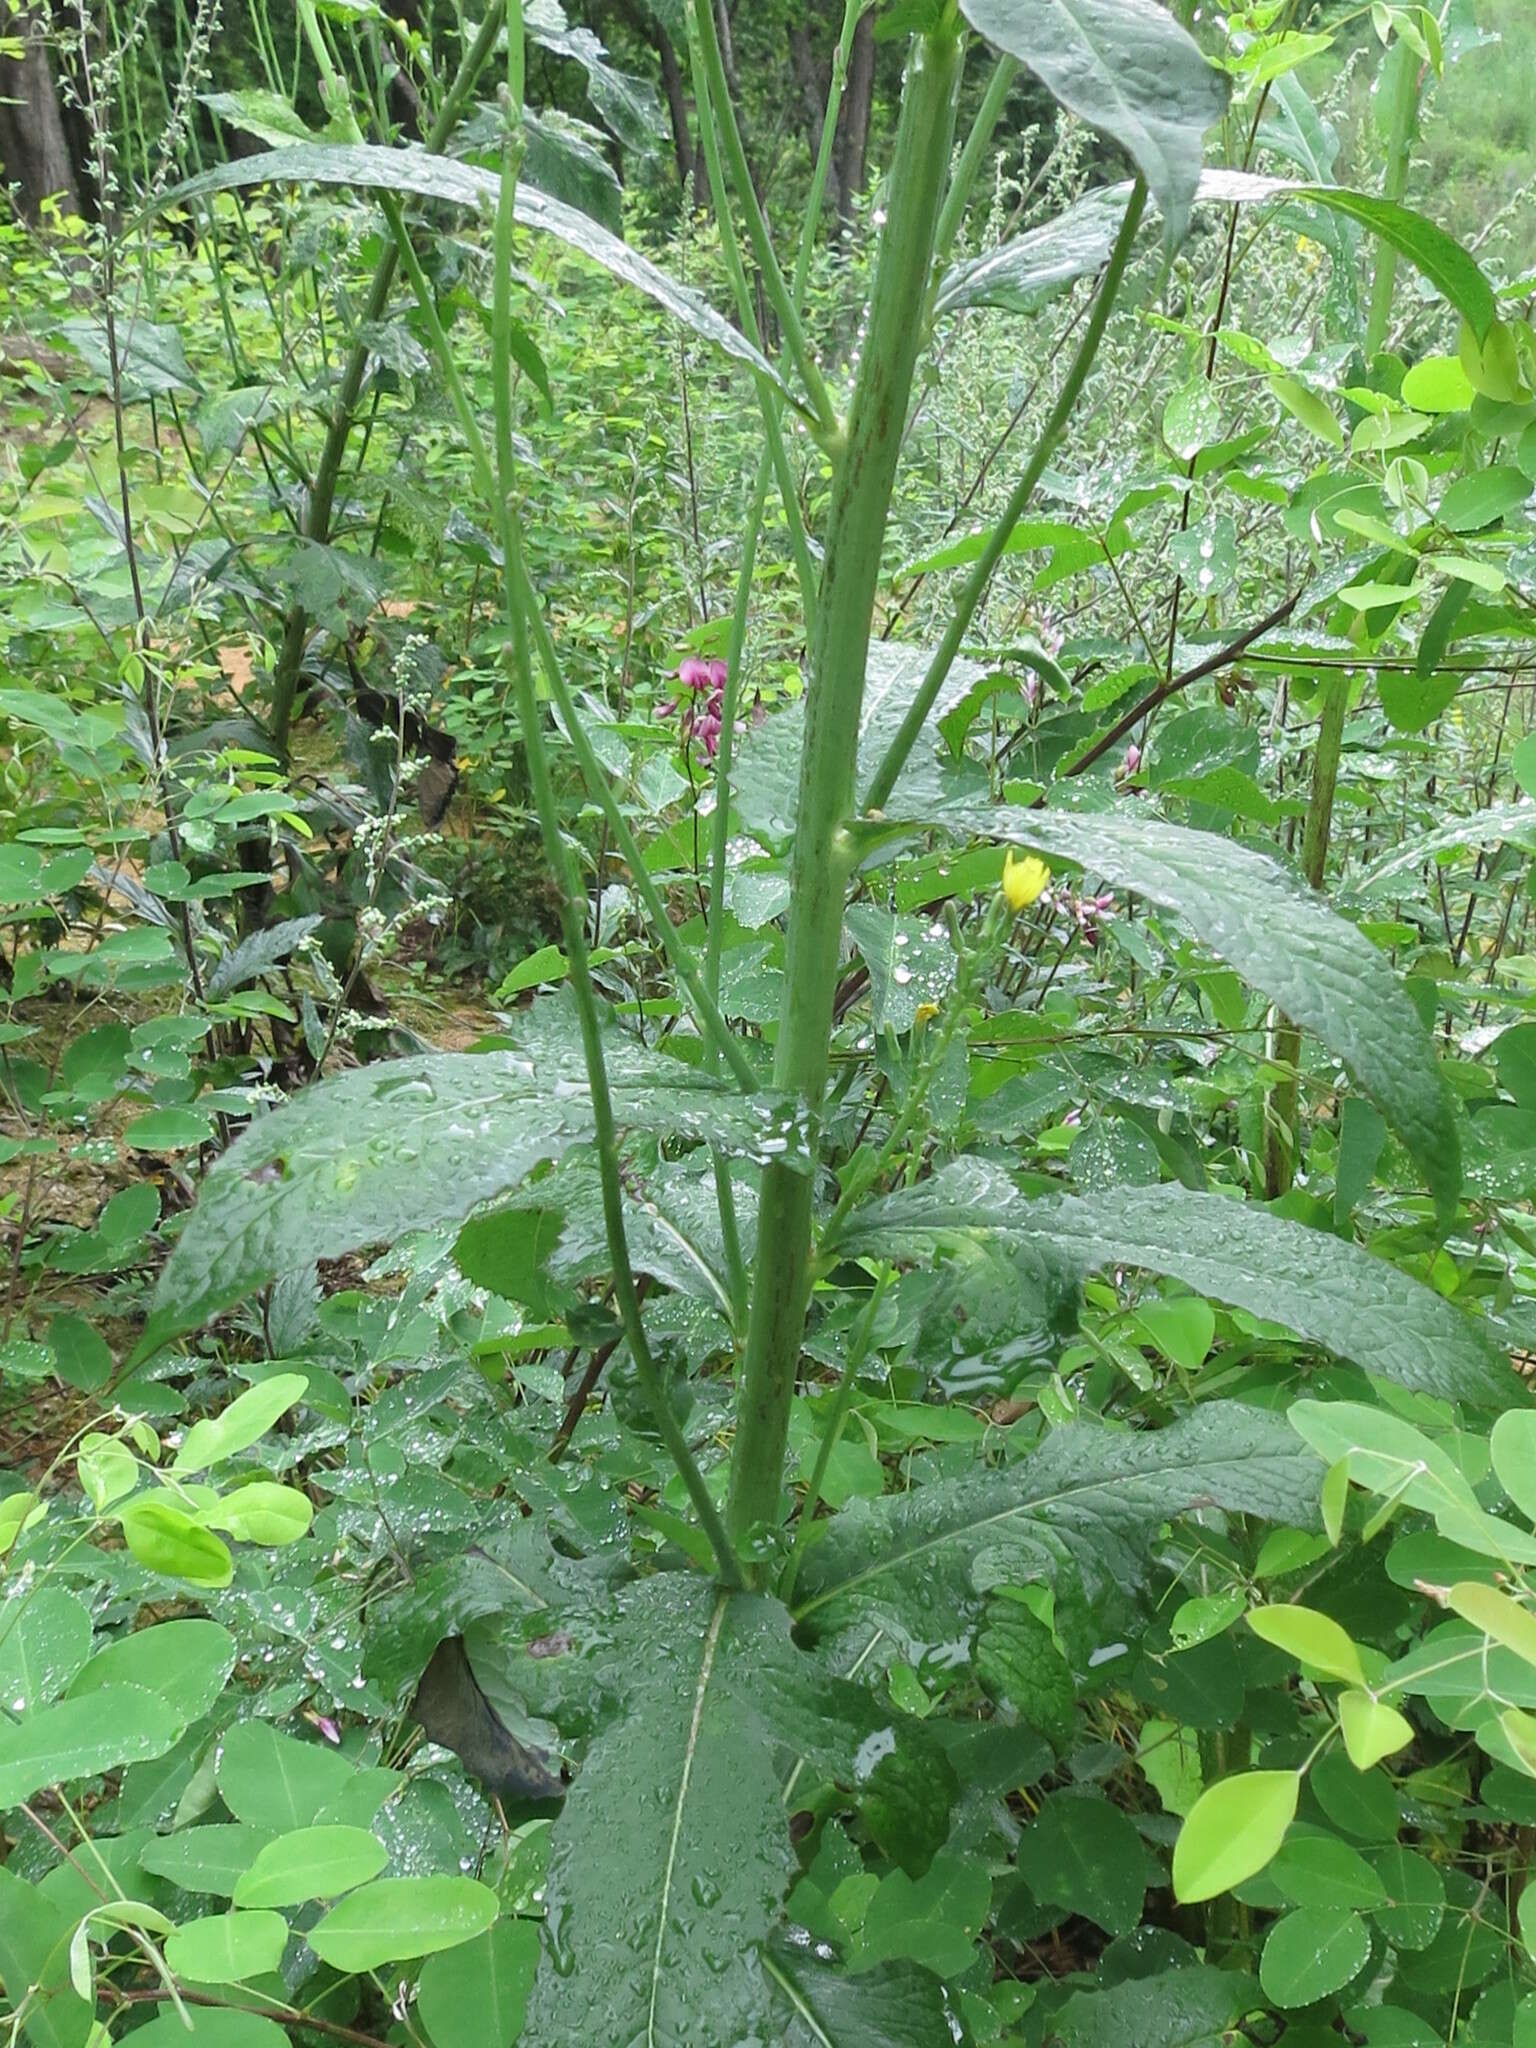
[
  {"x": 701, "y": 704},
  {"x": 1132, "y": 758}
]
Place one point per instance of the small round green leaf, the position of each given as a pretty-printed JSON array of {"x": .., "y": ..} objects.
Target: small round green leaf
[
  {"x": 1233, "y": 1831},
  {"x": 228, "y": 1948},
  {"x": 1372, "y": 1729},
  {"x": 400, "y": 1917},
  {"x": 263, "y": 1512},
  {"x": 311, "y": 1863},
  {"x": 1312, "y": 1952}
]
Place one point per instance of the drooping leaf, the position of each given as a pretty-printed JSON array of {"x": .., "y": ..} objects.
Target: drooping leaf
[
  {"x": 1086, "y": 1500},
  {"x": 405, "y": 1144},
  {"x": 1321, "y": 1286},
  {"x": 1126, "y": 68},
  {"x": 213, "y": 1438},
  {"x": 370, "y": 167},
  {"x": 1282, "y": 939},
  {"x": 1020, "y": 275},
  {"x": 1515, "y": 821}
]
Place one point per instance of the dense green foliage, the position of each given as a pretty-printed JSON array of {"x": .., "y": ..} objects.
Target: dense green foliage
[{"x": 768, "y": 1113}]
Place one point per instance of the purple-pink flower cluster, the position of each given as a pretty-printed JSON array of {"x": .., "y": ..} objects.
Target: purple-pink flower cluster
[{"x": 701, "y": 701}]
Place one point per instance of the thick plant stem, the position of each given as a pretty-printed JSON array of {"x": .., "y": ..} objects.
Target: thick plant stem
[
  {"x": 981, "y": 575},
  {"x": 1403, "y": 115},
  {"x": 322, "y": 492},
  {"x": 1317, "y": 830},
  {"x": 822, "y": 859}
]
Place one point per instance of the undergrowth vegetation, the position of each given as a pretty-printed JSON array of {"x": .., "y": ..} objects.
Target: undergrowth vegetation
[{"x": 767, "y": 1090}]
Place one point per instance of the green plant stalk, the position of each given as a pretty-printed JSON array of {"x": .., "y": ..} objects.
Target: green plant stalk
[
  {"x": 1281, "y": 1110},
  {"x": 322, "y": 492},
  {"x": 772, "y": 459},
  {"x": 976, "y": 583},
  {"x": 1403, "y": 119},
  {"x": 768, "y": 397},
  {"x": 858, "y": 1351},
  {"x": 823, "y": 855},
  {"x": 496, "y": 486},
  {"x": 961, "y": 185},
  {"x": 716, "y": 101}
]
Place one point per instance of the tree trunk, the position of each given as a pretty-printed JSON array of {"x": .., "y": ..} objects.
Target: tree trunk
[
  {"x": 850, "y": 156},
  {"x": 677, "y": 104},
  {"x": 34, "y": 153}
]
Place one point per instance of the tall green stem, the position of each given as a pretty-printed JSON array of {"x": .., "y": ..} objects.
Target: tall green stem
[
  {"x": 958, "y": 197},
  {"x": 1403, "y": 107},
  {"x": 322, "y": 491},
  {"x": 497, "y": 482},
  {"x": 1317, "y": 830},
  {"x": 823, "y": 856},
  {"x": 981, "y": 575}
]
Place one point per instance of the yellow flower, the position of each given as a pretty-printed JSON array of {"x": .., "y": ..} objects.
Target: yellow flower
[{"x": 1024, "y": 881}]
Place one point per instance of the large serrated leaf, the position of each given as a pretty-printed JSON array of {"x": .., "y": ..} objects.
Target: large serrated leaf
[
  {"x": 406, "y": 1144},
  {"x": 1323, "y": 1287},
  {"x": 1283, "y": 939},
  {"x": 368, "y": 166},
  {"x": 670, "y": 1858},
  {"x": 1089, "y": 1500},
  {"x": 1126, "y": 68}
]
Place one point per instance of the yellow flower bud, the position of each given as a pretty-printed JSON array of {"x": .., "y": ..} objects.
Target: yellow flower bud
[
  {"x": 1024, "y": 881},
  {"x": 926, "y": 1012}
]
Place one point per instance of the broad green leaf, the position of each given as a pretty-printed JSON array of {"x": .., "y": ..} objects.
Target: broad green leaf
[
  {"x": 475, "y": 1996},
  {"x": 167, "y": 1540},
  {"x": 765, "y": 783},
  {"x": 360, "y": 166},
  {"x": 820, "y": 2005},
  {"x": 396, "y": 1918},
  {"x": 1311, "y": 1638},
  {"x": 1089, "y": 1495},
  {"x": 1385, "y": 1455},
  {"x": 1479, "y": 828},
  {"x": 274, "y": 1780},
  {"x": 1126, "y": 68},
  {"x": 1283, "y": 940},
  {"x": 1417, "y": 1894},
  {"x": 1321, "y": 1286},
  {"x": 1192, "y": 2007},
  {"x": 227, "y": 1948},
  {"x": 1082, "y": 1853},
  {"x": 262, "y": 1512},
  {"x": 1020, "y": 275},
  {"x": 34, "y": 1954},
  {"x": 311, "y": 1863},
  {"x": 1234, "y": 1830},
  {"x": 45, "y": 1637},
  {"x": 405, "y": 1144},
  {"x": 1513, "y": 1444},
  {"x": 669, "y": 1860},
  {"x": 932, "y": 1920},
  {"x": 80, "y": 1738},
  {"x": 266, "y": 115},
  {"x": 210, "y": 1859},
  {"x": 1372, "y": 1729},
  {"x": 186, "y": 1662},
  {"x": 1496, "y": 1615},
  {"x": 1311, "y": 1952},
  {"x": 1320, "y": 1870},
  {"x": 246, "y": 1420},
  {"x": 1437, "y": 384},
  {"x": 211, "y": 2027},
  {"x": 1482, "y": 499}
]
